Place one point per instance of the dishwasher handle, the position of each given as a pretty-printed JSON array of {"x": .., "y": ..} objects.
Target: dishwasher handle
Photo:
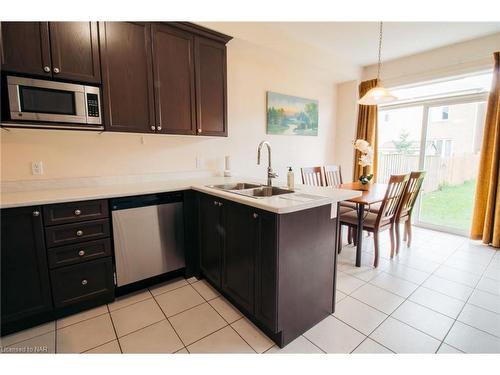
[{"x": 145, "y": 200}]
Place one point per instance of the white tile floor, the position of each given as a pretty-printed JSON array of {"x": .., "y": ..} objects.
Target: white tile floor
[{"x": 440, "y": 296}]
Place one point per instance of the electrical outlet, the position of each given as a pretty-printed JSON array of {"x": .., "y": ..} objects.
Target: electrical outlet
[{"x": 37, "y": 167}]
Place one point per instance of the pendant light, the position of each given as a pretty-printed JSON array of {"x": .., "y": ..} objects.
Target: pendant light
[{"x": 378, "y": 94}]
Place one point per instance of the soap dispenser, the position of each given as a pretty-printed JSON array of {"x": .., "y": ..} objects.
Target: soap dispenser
[{"x": 290, "y": 179}]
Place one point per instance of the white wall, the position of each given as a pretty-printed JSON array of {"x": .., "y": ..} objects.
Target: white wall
[{"x": 252, "y": 71}]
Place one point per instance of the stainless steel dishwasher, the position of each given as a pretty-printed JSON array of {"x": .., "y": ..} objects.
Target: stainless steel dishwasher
[{"x": 148, "y": 233}]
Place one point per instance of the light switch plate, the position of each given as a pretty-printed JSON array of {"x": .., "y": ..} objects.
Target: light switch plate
[{"x": 37, "y": 167}]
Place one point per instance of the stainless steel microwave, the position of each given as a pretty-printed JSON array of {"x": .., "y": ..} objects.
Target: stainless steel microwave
[{"x": 43, "y": 101}]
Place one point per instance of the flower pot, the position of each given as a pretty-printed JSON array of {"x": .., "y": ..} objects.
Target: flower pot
[{"x": 364, "y": 187}]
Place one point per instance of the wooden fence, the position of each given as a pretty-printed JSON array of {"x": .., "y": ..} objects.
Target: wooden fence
[{"x": 451, "y": 171}]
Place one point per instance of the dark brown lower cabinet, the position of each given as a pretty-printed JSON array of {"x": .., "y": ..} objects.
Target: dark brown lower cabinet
[
  {"x": 65, "y": 234},
  {"x": 89, "y": 281},
  {"x": 277, "y": 269},
  {"x": 25, "y": 288},
  {"x": 266, "y": 277},
  {"x": 50, "y": 271},
  {"x": 78, "y": 253},
  {"x": 211, "y": 231},
  {"x": 238, "y": 254}
]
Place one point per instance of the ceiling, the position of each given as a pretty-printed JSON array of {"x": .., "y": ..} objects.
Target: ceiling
[{"x": 355, "y": 42}]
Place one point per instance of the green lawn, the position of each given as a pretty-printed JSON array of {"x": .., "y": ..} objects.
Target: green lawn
[{"x": 450, "y": 206}]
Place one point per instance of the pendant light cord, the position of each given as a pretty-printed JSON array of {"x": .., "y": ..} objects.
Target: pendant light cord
[{"x": 379, "y": 52}]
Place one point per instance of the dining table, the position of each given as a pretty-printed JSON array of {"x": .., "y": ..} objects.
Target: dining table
[{"x": 371, "y": 194}]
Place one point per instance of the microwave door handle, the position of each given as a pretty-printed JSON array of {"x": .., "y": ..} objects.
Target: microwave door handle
[{"x": 80, "y": 101}]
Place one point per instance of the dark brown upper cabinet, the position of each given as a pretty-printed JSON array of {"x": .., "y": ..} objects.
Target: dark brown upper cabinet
[
  {"x": 25, "y": 48},
  {"x": 74, "y": 49},
  {"x": 127, "y": 74},
  {"x": 167, "y": 78},
  {"x": 173, "y": 67},
  {"x": 210, "y": 65},
  {"x": 66, "y": 50}
]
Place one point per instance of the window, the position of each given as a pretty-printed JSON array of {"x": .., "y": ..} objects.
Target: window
[
  {"x": 444, "y": 113},
  {"x": 440, "y": 113},
  {"x": 465, "y": 85}
]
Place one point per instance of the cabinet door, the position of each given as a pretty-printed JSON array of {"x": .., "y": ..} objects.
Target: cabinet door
[
  {"x": 238, "y": 254},
  {"x": 211, "y": 233},
  {"x": 25, "y": 48},
  {"x": 173, "y": 80},
  {"x": 75, "y": 51},
  {"x": 86, "y": 282},
  {"x": 266, "y": 278},
  {"x": 127, "y": 76},
  {"x": 210, "y": 60},
  {"x": 25, "y": 288}
]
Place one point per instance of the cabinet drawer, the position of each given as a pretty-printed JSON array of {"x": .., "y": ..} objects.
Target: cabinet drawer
[
  {"x": 73, "y": 212},
  {"x": 82, "y": 282},
  {"x": 77, "y": 232},
  {"x": 77, "y": 253}
]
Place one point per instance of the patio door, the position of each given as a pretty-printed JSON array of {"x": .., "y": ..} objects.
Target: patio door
[
  {"x": 449, "y": 152},
  {"x": 442, "y": 137}
]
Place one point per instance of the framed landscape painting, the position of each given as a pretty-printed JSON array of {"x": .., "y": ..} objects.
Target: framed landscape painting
[{"x": 291, "y": 115}]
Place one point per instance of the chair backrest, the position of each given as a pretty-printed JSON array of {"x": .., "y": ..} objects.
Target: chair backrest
[
  {"x": 411, "y": 192},
  {"x": 312, "y": 176},
  {"x": 333, "y": 175},
  {"x": 392, "y": 200}
]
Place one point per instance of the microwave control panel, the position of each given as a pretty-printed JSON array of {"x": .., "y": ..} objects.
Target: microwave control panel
[{"x": 92, "y": 105}]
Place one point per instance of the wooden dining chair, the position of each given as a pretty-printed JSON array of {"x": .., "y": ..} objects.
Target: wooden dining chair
[
  {"x": 333, "y": 178},
  {"x": 406, "y": 207},
  {"x": 385, "y": 218},
  {"x": 333, "y": 175},
  {"x": 312, "y": 176}
]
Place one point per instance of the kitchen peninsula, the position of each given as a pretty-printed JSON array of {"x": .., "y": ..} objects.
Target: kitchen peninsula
[{"x": 272, "y": 257}]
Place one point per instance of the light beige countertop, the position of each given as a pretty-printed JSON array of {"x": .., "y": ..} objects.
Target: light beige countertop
[{"x": 303, "y": 198}]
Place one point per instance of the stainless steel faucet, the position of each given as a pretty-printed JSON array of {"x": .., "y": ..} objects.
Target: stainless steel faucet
[{"x": 270, "y": 173}]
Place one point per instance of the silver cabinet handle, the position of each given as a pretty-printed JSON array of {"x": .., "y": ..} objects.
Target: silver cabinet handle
[
  {"x": 46, "y": 69},
  {"x": 79, "y": 233},
  {"x": 255, "y": 215},
  {"x": 220, "y": 204},
  {"x": 158, "y": 128},
  {"x": 56, "y": 70},
  {"x": 153, "y": 127},
  {"x": 81, "y": 253},
  {"x": 84, "y": 282},
  {"x": 77, "y": 212},
  {"x": 36, "y": 213}
]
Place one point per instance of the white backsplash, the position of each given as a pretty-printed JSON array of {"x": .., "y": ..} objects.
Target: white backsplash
[{"x": 94, "y": 181}]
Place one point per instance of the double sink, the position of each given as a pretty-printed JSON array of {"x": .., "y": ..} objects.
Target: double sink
[{"x": 251, "y": 190}]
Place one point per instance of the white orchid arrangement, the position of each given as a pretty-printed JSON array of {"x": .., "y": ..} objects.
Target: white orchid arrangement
[{"x": 366, "y": 158}]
